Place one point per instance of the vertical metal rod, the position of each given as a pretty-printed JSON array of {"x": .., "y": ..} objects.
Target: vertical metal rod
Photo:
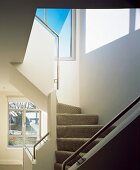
[
  {"x": 34, "y": 152},
  {"x": 58, "y": 64}
]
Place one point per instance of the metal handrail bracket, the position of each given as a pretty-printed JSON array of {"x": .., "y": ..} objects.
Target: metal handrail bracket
[{"x": 122, "y": 113}]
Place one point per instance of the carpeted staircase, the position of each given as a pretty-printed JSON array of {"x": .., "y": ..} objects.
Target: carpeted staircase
[{"x": 73, "y": 130}]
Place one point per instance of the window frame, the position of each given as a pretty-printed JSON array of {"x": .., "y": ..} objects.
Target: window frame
[
  {"x": 23, "y": 128},
  {"x": 72, "y": 56}
]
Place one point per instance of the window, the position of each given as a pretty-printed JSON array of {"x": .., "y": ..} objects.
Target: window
[
  {"x": 24, "y": 123},
  {"x": 62, "y": 21},
  {"x": 104, "y": 26}
]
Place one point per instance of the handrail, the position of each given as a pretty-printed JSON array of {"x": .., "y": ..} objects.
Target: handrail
[
  {"x": 116, "y": 118},
  {"x": 46, "y": 25},
  {"x": 37, "y": 143},
  {"x": 57, "y": 47}
]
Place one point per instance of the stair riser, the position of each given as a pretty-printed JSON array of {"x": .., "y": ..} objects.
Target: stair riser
[
  {"x": 77, "y": 119},
  {"x": 63, "y": 108},
  {"x": 61, "y": 157},
  {"x": 79, "y": 132},
  {"x": 73, "y": 145},
  {"x": 58, "y": 166}
]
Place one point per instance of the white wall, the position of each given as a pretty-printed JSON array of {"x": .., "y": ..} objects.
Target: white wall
[
  {"x": 29, "y": 90},
  {"x": 7, "y": 155},
  {"x": 39, "y": 58},
  {"x": 109, "y": 75}
]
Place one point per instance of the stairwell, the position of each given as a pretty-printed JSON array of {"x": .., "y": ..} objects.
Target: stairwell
[{"x": 73, "y": 130}]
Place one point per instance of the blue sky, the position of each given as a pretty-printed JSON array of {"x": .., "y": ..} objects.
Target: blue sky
[{"x": 55, "y": 17}]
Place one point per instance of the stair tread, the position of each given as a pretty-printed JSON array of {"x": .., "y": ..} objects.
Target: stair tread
[
  {"x": 65, "y": 108},
  {"x": 76, "y": 114},
  {"x": 68, "y": 153},
  {"x": 64, "y": 152},
  {"x": 77, "y": 139},
  {"x": 73, "y": 130},
  {"x": 79, "y": 126}
]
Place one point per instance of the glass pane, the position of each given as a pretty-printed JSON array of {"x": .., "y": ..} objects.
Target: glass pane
[
  {"x": 66, "y": 37},
  {"x": 60, "y": 21},
  {"x": 29, "y": 105},
  {"x": 56, "y": 18},
  {"x": 30, "y": 140},
  {"x": 15, "y": 140},
  {"x": 21, "y": 105},
  {"x": 32, "y": 123},
  {"x": 40, "y": 13},
  {"x": 15, "y": 123},
  {"x": 16, "y": 105}
]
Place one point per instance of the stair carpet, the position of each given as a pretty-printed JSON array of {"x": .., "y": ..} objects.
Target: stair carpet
[{"x": 73, "y": 130}]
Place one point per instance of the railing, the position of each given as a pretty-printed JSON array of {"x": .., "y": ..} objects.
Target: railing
[
  {"x": 54, "y": 33},
  {"x": 122, "y": 113},
  {"x": 34, "y": 147}
]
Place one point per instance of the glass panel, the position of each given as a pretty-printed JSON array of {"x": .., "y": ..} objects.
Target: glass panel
[
  {"x": 15, "y": 140},
  {"x": 56, "y": 18},
  {"x": 30, "y": 140},
  {"x": 15, "y": 105},
  {"x": 60, "y": 21},
  {"x": 17, "y": 133},
  {"x": 40, "y": 13},
  {"x": 32, "y": 123},
  {"x": 29, "y": 105},
  {"x": 66, "y": 37},
  {"x": 15, "y": 123},
  {"x": 21, "y": 105}
]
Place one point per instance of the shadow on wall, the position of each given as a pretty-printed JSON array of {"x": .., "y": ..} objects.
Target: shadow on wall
[
  {"x": 109, "y": 75},
  {"x": 108, "y": 26}
]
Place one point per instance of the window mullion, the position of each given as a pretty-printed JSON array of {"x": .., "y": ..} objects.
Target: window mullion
[{"x": 24, "y": 125}]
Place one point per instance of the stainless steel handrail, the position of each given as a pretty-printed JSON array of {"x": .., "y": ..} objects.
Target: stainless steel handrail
[
  {"x": 122, "y": 113},
  {"x": 54, "y": 33},
  {"x": 34, "y": 147},
  {"x": 37, "y": 143},
  {"x": 46, "y": 25}
]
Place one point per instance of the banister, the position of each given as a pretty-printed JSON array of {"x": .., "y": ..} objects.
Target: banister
[
  {"x": 57, "y": 47},
  {"x": 46, "y": 25},
  {"x": 116, "y": 118},
  {"x": 37, "y": 143}
]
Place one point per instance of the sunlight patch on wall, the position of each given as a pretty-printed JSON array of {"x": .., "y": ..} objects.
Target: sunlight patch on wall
[
  {"x": 104, "y": 26},
  {"x": 137, "y": 23}
]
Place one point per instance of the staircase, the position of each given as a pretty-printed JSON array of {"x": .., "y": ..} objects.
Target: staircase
[{"x": 73, "y": 130}]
